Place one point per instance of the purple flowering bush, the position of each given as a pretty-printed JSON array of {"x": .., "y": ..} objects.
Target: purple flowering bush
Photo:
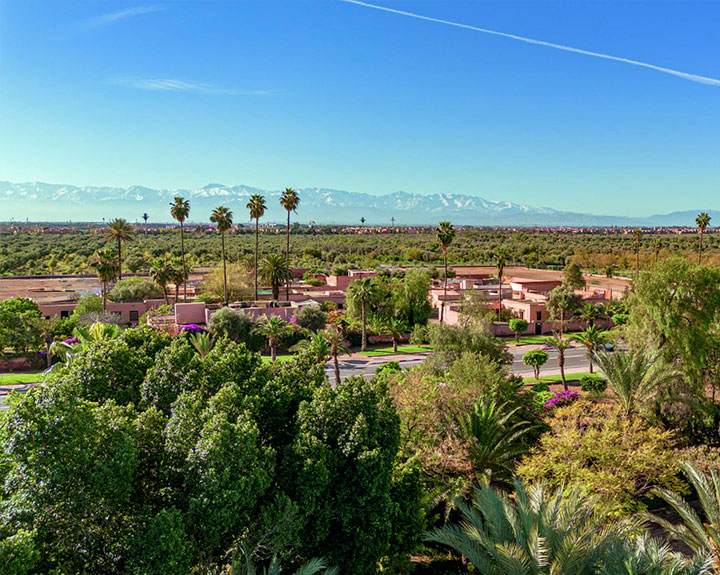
[
  {"x": 191, "y": 328},
  {"x": 561, "y": 398}
]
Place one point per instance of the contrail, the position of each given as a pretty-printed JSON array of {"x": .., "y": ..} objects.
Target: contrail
[{"x": 684, "y": 75}]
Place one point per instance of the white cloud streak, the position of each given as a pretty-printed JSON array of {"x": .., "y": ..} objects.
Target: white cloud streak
[
  {"x": 112, "y": 17},
  {"x": 177, "y": 85},
  {"x": 684, "y": 75}
]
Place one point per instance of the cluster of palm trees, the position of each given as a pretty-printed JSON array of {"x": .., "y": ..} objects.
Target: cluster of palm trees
[{"x": 273, "y": 269}]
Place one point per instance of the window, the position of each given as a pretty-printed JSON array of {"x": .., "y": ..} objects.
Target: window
[
  {"x": 539, "y": 316},
  {"x": 133, "y": 315},
  {"x": 64, "y": 314}
]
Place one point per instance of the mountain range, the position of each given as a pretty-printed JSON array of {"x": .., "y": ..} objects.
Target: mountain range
[{"x": 37, "y": 201}]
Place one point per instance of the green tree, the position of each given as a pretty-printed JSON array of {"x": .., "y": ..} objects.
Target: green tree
[
  {"x": 119, "y": 230},
  {"x": 562, "y": 304},
  {"x": 535, "y": 358},
  {"x": 274, "y": 270},
  {"x": 573, "y": 276},
  {"x": 223, "y": 218},
  {"x": 335, "y": 339},
  {"x": 256, "y": 205},
  {"x": 178, "y": 275},
  {"x": 161, "y": 273},
  {"x": 134, "y": 289},
  {"x": 233, "y": 324},
  {"x": 180, "y": 210},
  {"x": 560, "y": 345},
  {"x": 362, "y": 291},
  {"x": 445, "y": 235},
  {"x": 289, "y": 201},
  {"x": 317, "y": 346},
  {"x": 592, "y": 339},
  {"x": 703, "y": 222},
  {"x": 274, "y": 329},
  {"x": 107, "y": 269},
  {"x": 592, "y": 312},
  {"x": 518, "y": 326}
]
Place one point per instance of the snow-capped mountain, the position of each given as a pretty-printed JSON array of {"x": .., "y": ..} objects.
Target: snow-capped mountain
[{"x": 37, "y": 201}]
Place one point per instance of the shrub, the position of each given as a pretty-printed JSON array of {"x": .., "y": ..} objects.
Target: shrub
[
  {"x": 420, "y": 335},
  {"x": 135, "y": 289},
  {"x": 620, "y": 318},
  {"x": 561, "y": 398},
  {"x": 315, "y": 282},
  {"x": 593, "y": 383},
  {"x": 518, "y": 326},
  {"x": 311, "y": 317},
  {"x": 536, "y": 358},
  {"x": 230, "y": 323},
  {"x": 538, "y": 387},
  {"x": 89, "y": 303},
  {"x": 388, "y": 368},
  {"x": 591, "y": 446}
]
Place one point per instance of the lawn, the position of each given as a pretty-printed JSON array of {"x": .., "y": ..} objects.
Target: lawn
[
  {"x": 279, "y": 358},
  {"x": 556, "y": 378},
  {"x": 15, "y": 378},
  {"x": 526, "y": 339},
  {"x": 401, "y": 349}
]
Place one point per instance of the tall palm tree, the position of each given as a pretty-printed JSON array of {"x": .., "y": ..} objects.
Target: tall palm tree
[
  {"x": 274, "y": 270},
  {"x": 145, "y": 218},
  {"x": 637, "y": 234},
  {"x": 396, "y": 327},
  {"x": 560, "y": 345},
  {"x": 223, "y": 218},
  {"x": 362, "y": 220},
  {"x": 635, "y": 376},
  {"x": 536, "y": 531},
  {"x": 393, "y": 221},
  {"x": 703, "y": 222},
  {"x": 289, "y": 200},
  {"x": 178, "y": 275},
  {"x": 591, "y": 339},
  {"x": 107, "y": 268},
  {"x": 494, "y": 444},
  {"x": 445, "y": 236},
  {"x": 316, "y": 345},
  {"x": 274, "y": 329},
  {"x": 362, "y": 291},
  {"x": 335, "y": 338},
  {"x": 501, "y": 257},
  {"x": 180, "y": 210},
  {"x": 119, "y": 231},
  {"x": 161, "y": 273},
  {"x": 702, "y": 535},
  {"x": 256, "y": 205}
]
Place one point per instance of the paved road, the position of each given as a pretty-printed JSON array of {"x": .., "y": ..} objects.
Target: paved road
[{"x": 575, "y": 361}]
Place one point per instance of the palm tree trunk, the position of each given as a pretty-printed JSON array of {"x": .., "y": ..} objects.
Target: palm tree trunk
[
  {"x": 336, "y": 365},
  {"x": 165, "y": 295},
  {"x": 276, "y": 291},
  {"x": 591, "y": 366},
  {"x": 287, "y": 255},
  {"x": 104, "y": 295},
  {"x": 363, "y": 343},
  {"x": 500, "y": 274},
  {"x": 119, "y": 242},
  {"x": 561, "y": 363},
  {"x": 177, "y": 293},
  {"x": 395, "y": 344},
  {"x": 700, "y": 249},
  {"x": 272, "y": 350},
  {"x": 222, "y": 236},
  {"x": 442, "y": 305},
  {"x": 182, "y": 251},
  {"x": 256, "y": 257}
]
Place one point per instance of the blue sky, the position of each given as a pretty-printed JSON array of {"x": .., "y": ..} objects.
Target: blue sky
[{"x": 276, "y": 93}]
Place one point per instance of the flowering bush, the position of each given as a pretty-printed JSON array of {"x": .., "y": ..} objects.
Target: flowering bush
[
  {"x": 561, "y": 398},
  {"x": 191, "y": 328}
]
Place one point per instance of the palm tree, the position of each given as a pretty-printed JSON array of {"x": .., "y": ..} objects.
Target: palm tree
[
  {"x": 223, "y": 217},
  {"x": 178, "y": 275},
  {"x": 591, "y": 339},
  {"x": 501, "y": 257},
  {"x": 107, "y": 269},
  {"x": 289, "y": 200},
  {"x": 362, "y": 291},
  {"x": 335, "y": 339},
  {"x": 396, "y": 327},
  {"x": 274, "y": 329},
  {"x": 702, "y": 535},
  {"x": 703, "y": 222},
  {"x": 657, "y": 246},
  {"x": 591, "y": 313},
  {"x": 316, "y": 345},
  {"x": 536, "y": 531},
  {"x": 560, "y": 344},
  {"x": 256, "y": 205},
  {"x": 635, "y": 376},
  {"x": 145, "y": 218},
  {"x": 637, "y": 234},
  {"x": 274, "y": 270},
  {"x": 493, "y": 443},
  {"x": 316, "y": 566},
  {"x": 445, "y": 236},
  {"x": 119, "y": 231},
  {"x": 362, "y": 220},
  {"x": 393, "y": 221},
  {"x": 161, "y": 273},
  {"x": 180, "y": 210},
  {"x": 203, "y": 343}
]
